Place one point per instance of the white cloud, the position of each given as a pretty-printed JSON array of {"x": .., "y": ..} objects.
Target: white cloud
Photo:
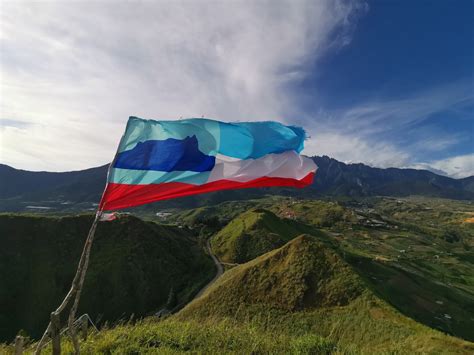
[
  {"x": 373, "y": 117},
  {"x": 460, "y": 166},
  {"x": 383, "y": 133},
  {"x": 77, "y": 70},
  {"x": 352, "y": 149}
]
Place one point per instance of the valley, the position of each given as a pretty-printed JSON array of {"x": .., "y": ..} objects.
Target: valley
[{"x": 301, "y": 275}]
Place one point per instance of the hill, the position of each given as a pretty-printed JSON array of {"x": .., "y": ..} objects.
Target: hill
[
  {"x": 306, "y": 287},
  {"x": 416, "y": 253},
  {"x": 254, "y": 233},
  {"x": 133, "y": 268},
  {"x": 80, "y": 190}
]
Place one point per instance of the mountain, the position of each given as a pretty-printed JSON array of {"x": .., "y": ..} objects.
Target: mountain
[
  {"x": 134, "y": 267},
  {"x": 80, "y": 190},
  {"x": 336, "y": 178},
  {"x": 82, "y": 185}
]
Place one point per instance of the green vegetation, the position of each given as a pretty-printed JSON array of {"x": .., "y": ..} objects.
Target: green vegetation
[
  {"x": 133, "y": 267},
  {"x": 315, "y": 213}
]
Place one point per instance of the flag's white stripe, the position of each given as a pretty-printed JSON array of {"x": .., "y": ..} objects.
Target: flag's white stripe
[{"x": 289, "y": 165}]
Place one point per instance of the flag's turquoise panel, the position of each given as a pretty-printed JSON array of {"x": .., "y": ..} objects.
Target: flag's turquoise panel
[
  {"x": 241, "y": 140},
  {"x": 135, "y": 177}
]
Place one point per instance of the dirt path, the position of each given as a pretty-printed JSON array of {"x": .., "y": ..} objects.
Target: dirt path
[{"x": 220, "y": 270}]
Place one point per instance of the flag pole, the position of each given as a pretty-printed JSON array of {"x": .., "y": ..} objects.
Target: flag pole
[
  {"x": 74, "y": 290},
  {"x": 76, "y": 286}
]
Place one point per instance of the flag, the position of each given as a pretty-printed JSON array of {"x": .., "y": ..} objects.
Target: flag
[
  {"x": 108, "y": 217},
  {"x": 158, "y": 160}
]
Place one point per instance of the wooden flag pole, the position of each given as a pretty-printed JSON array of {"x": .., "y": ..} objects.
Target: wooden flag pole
[
  {"x": 75, "y": 290},
  {"x": 72, "y": 313},
  {"x": 76, "y": 287}
]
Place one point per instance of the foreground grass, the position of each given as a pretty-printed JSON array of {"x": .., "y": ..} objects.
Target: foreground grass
[
  {"x": 211, "y": 336},
  {"x": 273, "y": 333}
]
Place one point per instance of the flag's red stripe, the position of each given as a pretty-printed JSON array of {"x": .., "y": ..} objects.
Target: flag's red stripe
[{"x": 119, "y": 196}]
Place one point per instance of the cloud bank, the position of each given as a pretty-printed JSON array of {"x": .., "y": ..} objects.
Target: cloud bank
[{"x": 73, "y": 72}]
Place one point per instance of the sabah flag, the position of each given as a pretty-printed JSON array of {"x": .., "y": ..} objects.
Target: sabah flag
[{"x": 158, "y": 160}]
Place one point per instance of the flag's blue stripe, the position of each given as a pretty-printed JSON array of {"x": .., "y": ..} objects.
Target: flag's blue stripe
[
  {"x": 136, "y": 177},
  {"x": 242, "y": 140},
  {"x": 166, "y": 155}
]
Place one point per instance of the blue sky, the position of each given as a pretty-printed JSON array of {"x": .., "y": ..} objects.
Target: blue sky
[
  {"x": 386, "y": 83},
  {"x": 416, "y": 55}
]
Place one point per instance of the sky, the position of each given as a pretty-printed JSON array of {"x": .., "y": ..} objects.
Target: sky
[{"x": 386, "y": 83}]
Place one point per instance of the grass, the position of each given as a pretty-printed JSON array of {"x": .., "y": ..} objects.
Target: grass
[{"x": 209, "y": 337}]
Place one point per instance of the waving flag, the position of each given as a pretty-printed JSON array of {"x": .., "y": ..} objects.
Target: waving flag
[{"x": 158, "y": 160}]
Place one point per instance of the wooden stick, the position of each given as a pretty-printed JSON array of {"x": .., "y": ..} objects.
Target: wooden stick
[
  {"x": 76, "y": 282},
  {"x": 72, "y": 313},
  {"x": 56, "y": 333},
  {"x": 84, "y": 326},
  {"x": 18, "y": 345}
]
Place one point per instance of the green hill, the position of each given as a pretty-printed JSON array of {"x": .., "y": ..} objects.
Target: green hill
[
  {"x": 305, "y": 288},
  {"x": 254, "y": 233},
  {"x": 302, "y": 274},
  {"x": 133, "y": 267}
]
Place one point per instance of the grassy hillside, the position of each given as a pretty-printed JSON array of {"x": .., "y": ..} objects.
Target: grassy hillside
[
  {"x": 133, "y": 267},
  {"x": 416, "y": 253},
  {"x": 254, "y": 233},
  {"x": 306, "y": 288}
]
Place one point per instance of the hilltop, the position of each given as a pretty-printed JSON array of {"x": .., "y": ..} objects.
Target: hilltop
[
  {"x": 303, "y": 274},
  {"x": 254, "y": 233}
]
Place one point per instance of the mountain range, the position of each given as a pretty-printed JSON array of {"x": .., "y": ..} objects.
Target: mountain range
[{"x": 81, "y": 189}]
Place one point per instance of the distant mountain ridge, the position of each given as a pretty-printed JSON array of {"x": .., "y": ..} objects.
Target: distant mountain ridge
[
  {"x": 336, "y": 178},
  {"x": 333, "y": 178}
]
